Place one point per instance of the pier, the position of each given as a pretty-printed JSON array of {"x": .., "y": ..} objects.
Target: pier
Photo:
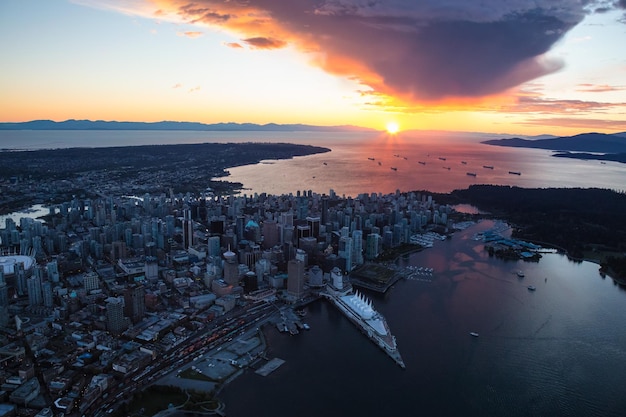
[{"x": 270, "y": 367}]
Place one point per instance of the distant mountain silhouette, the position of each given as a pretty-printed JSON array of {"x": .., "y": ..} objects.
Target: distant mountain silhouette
[
  {"x": 584, "y": 142},
  {"x": 169, "y": 125}
]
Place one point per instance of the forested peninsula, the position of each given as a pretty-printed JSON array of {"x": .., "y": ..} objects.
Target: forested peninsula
[{"x": 586, "y": 223}]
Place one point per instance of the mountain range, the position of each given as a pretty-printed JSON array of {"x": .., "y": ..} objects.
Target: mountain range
[{"x": 170, "y": 125}]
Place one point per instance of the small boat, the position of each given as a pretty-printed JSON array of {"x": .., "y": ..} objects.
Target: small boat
[
  {"x": 306, "y": 326},
  {"x": 520, "y": 274},
  {"x": 531, "y": 288},
  {"x": 325, "y": 163},
  {"x": 380, "y": 163},
  {"x": 474, "y": 334},
  {"x": 464, "y": 163},
  {"x": 448, "y": 168},
  {"x": 515, "y": 173},
  {"x": 371, "y": 159},
  {"x": 394, "y": 168},
  {"x": 488, "y": 166},
  {"x": 443, "y": 159},
  {"x": 421, "y": 162},
  {"x": 471, "y": 174}
]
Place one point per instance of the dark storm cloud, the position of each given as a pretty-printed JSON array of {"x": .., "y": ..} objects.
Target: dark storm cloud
[{"x": 426, "y": 50}]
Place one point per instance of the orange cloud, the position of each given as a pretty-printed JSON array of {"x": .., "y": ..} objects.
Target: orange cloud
[
  {"x": 234, "y": 45},
  {"x": 595, "y": 88},
  {"x": 190, "y": 34},
  {"x": 417, "y": 52},
  {"x": 526, "y": 104}
]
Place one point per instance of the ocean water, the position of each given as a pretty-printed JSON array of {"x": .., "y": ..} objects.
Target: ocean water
[
  {"x": 557, "y": 351},
  {"x": 436, "y": 163},
  {"x": 446, "y": 158}
]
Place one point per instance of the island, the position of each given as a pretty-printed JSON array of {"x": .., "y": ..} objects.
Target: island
[{"x": 597, "y": 146}]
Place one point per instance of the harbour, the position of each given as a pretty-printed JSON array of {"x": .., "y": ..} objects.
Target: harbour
[{"x": 526, "y": 339}]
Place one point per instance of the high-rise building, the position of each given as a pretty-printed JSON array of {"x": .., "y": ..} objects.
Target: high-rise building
[
  {"x": 91, "y": 282},
  {"x": 316, "y": 277},
  {"x": 336, "y": 278},
  {"x": 357, "y": 247},
  {"x": 187, "y": 229},
  {"x": 4, "y": 300},
  {"x": 295, "y": 278},
  {"x": 53, "y": 271},
  {"x": 314, "y": 226},
  {"x": 214, "y": 246},
  {"x": 324, "y": 210},
  {"x": 134, "y": 303},
  {"x": 301, "y": 255},
  {"x": 372, "y": 245},
  {"x": 48, "y": 297},
  {"x": 20, "y": 278},
  {"x": 151, "y": 269},
  {"x": 270, "y": 234},
  {"x": 35, "y": 295},
  {"x": 345, "y": 251},
  {"x": 231, "y": 268},
  {"x": 302, "y": 231},
  {"x": 116, "y": 322}
]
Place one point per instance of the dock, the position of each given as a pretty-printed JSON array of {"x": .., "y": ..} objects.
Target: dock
[{"x": 270, "y": 367}]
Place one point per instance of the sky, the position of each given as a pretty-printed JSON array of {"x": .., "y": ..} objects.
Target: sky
[{"x": 516, "y": 66}]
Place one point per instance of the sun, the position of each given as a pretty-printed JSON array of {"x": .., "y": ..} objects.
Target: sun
[{"x": 392, "y": 128}]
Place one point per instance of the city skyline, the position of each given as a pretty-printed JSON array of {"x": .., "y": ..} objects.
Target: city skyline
[{"x": 509, "y": 68}]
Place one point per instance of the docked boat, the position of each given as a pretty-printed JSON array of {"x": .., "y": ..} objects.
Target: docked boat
[{"x": 359, "y": 310}]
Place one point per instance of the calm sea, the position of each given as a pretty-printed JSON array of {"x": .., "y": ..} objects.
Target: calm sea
[
  {"x": 434, "y": 161},
  {"x": 557, "y": 351}
]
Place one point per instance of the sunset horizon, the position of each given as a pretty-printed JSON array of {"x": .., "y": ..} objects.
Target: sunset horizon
[{"x": 512, "y": 68}]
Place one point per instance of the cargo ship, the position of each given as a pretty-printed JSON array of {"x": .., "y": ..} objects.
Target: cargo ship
[{"x": 359, "y": 310}]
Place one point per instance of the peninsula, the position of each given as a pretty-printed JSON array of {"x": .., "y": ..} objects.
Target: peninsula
[{"x": 597, "y": 146}]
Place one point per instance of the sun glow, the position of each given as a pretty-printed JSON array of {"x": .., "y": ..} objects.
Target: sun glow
[{"x": 392, "y": 128}]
